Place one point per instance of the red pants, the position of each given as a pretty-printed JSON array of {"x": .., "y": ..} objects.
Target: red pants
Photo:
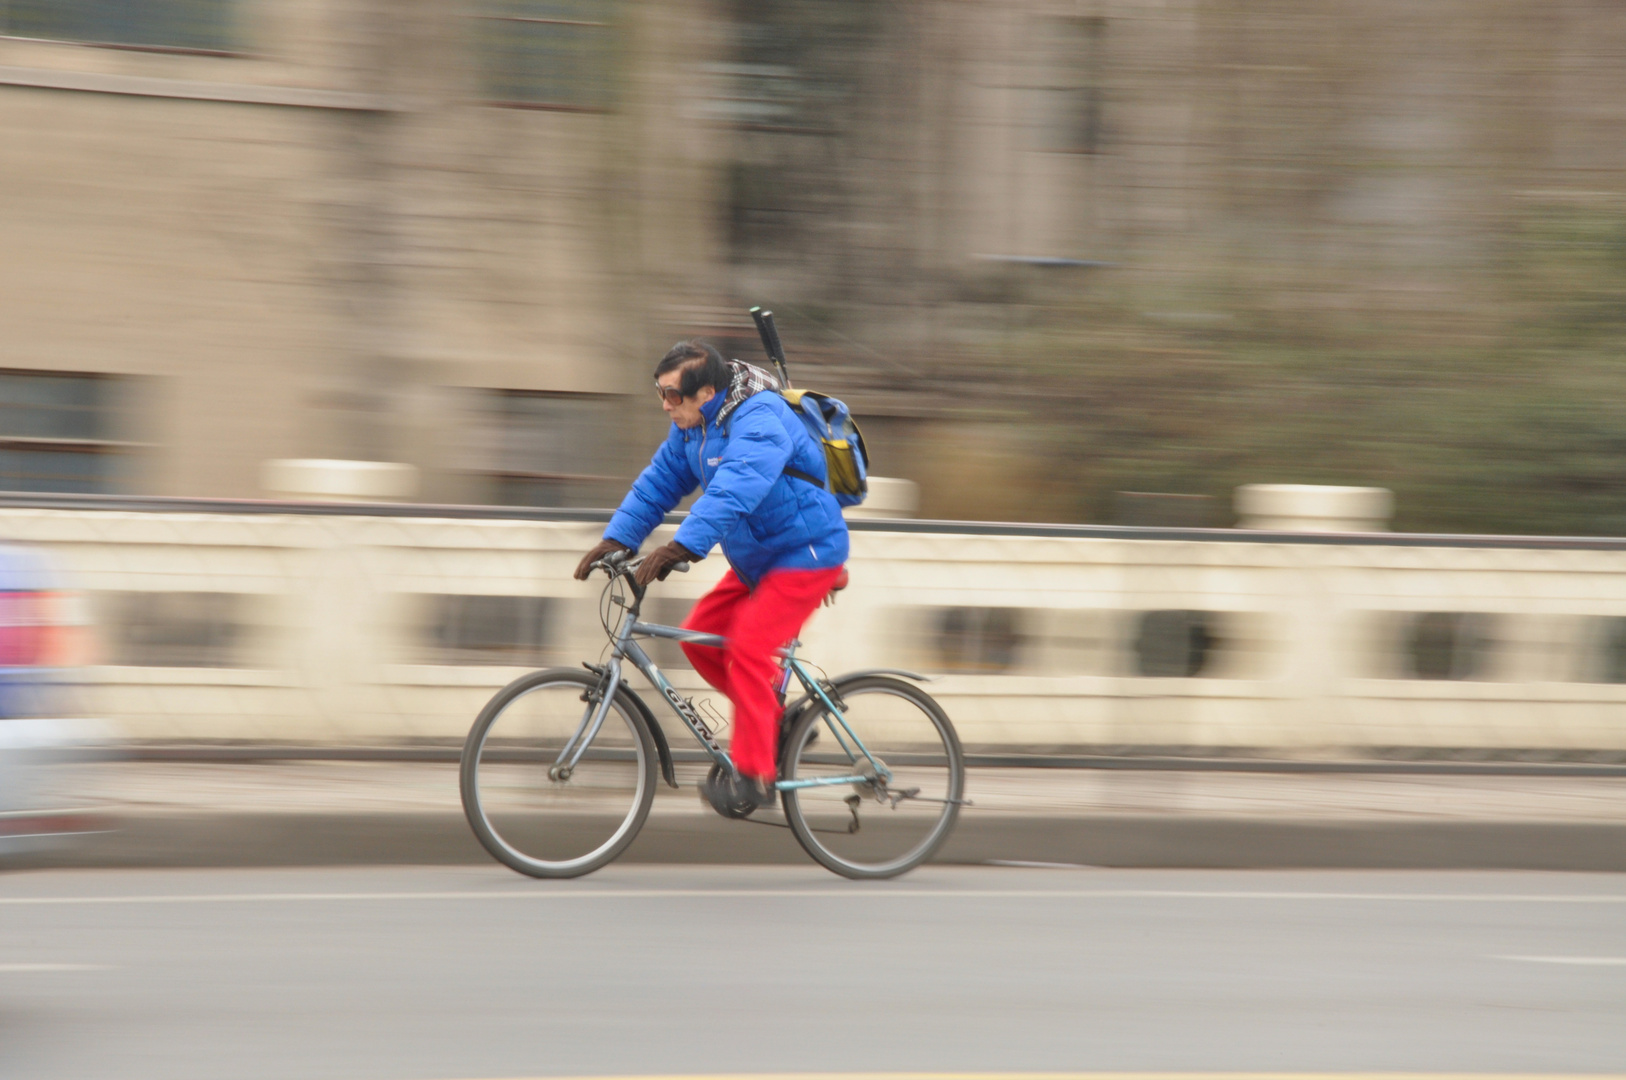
[{"x": 757, "y": 623}]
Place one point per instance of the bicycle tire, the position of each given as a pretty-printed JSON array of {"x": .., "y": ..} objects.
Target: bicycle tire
[
  {"x": 507, "y": 789},
  {"x": 926, "y": 753}
]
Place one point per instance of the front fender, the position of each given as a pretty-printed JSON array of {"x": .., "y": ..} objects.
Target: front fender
[{"x": 661, "y": 746}]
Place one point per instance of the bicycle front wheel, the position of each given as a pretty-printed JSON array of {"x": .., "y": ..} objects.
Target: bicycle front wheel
[
  {"x": 900, "y": 745},
  {"x": 534, "y": 816}
]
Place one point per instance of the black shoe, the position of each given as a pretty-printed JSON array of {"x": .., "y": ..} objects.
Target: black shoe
[
  {"x": 736, "y": 796},
  {"x": 761, "y": 792}
]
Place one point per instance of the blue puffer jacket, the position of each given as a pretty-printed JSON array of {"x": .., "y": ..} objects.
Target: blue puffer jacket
[{"x": 764, "y": 519}]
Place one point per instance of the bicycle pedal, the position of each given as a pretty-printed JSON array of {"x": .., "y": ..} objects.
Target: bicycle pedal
[{"x": 715, "y": 793}]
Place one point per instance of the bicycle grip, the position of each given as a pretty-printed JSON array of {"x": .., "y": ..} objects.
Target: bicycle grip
[{"x": 677, "y": 567}]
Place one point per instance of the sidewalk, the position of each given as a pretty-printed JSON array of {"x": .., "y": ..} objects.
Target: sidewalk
[{"x": 301, "y": 813}]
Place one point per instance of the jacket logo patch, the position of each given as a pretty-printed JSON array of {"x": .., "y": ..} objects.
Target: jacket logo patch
[{"x": 714, "y": 461}]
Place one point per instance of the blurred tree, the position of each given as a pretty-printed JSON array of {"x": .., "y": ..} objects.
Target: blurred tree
[
  {"x": 1070, "y": 253},
  {"x": 1512, "y": 426}
]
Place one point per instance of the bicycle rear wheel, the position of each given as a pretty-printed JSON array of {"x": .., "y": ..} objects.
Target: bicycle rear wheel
[
  {"x": 528, "y": 815},
  {"x": 877, "y": 827}
]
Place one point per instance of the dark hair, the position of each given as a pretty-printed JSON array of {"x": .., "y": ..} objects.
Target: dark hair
[{"x": 702, "y": 365}]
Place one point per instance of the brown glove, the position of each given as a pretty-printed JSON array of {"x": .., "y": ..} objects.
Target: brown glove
[
  {"x": 658, "y": 563},
  {"x": 602, "y": 548}
]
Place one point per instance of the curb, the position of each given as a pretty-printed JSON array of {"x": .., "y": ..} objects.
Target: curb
[{"x": 327, "y": 839}]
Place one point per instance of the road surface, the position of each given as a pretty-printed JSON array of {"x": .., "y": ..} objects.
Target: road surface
[{"x": 474, "y": 972}]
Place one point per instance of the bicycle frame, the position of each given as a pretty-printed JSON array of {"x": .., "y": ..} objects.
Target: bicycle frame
[{"x": 626, "y": 646}]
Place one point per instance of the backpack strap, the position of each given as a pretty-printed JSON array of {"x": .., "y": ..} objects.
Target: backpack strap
[{"x": 800, "y": 475}]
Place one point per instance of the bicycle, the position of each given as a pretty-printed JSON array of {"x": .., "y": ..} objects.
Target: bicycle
[{"x": 559, "y": 770}]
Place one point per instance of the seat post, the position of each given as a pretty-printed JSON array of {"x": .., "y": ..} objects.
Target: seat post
[{"x": 784, "y": 670}]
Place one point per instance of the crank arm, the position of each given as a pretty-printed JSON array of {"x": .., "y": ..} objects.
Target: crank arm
[{"x": 914, "y": 795}]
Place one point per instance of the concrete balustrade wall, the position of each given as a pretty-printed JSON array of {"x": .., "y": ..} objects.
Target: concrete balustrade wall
[{"x": 1041, "y": 638}]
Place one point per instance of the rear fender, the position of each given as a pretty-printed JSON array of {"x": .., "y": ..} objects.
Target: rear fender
[{"x": 851, "y": 675}]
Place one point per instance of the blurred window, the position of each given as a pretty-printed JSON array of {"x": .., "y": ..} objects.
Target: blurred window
[
  {"x": 174, "y": 629},
  {"x": 551, "y": 449},
  {"x": 511, "y": 630},
  {"x": 798, "y": 65},
  {"x": 759, "y": 97},
  {"x": 804, "y": 77},
  {"x": 1448, "y": 645},
  {"x": 1612, "y": 668},
  {"x": 207, "y": 26},
  {"x": 1071, "y": 94},
  {"x": 977, "y": 639},
  {"x": 547, "y": 54},
  {"x": 1174, "y": 644},
  {"x": 57, "y": 431}
]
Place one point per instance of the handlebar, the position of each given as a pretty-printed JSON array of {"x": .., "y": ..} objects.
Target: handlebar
[{"x": 625, "y": 564}]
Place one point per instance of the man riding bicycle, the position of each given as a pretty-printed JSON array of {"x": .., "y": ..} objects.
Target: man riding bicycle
[{"x": 761, "y": 476}]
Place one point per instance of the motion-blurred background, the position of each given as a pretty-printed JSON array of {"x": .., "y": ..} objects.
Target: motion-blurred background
[
  {"x": 1085, "y": 262},
  {"x": 1050, "y": 250}
]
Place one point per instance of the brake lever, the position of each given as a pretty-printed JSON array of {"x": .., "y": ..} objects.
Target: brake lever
[
  {"x": 630, "y": 566},
  {"x": 611, "y": 564}
]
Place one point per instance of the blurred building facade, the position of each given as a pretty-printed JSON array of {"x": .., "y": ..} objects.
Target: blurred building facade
[
  {"x": 436, "y": 233},
  {"x": 454, "y": 233}
]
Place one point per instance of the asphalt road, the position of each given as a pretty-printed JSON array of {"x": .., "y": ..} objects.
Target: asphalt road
[{"x": 441, "y": 973}]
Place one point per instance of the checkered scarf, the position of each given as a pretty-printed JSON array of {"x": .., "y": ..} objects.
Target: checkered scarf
[{"x": 744, "y": 380}]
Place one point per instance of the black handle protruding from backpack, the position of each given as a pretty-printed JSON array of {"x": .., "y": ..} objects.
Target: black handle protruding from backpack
[{"x": 770, "y": 342}]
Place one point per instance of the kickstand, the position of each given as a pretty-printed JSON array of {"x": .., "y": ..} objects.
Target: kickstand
[{"x": 852, "y": 804}]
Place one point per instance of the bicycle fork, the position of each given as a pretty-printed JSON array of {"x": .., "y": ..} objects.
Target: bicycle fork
[{"x": 598, "y": 700}]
